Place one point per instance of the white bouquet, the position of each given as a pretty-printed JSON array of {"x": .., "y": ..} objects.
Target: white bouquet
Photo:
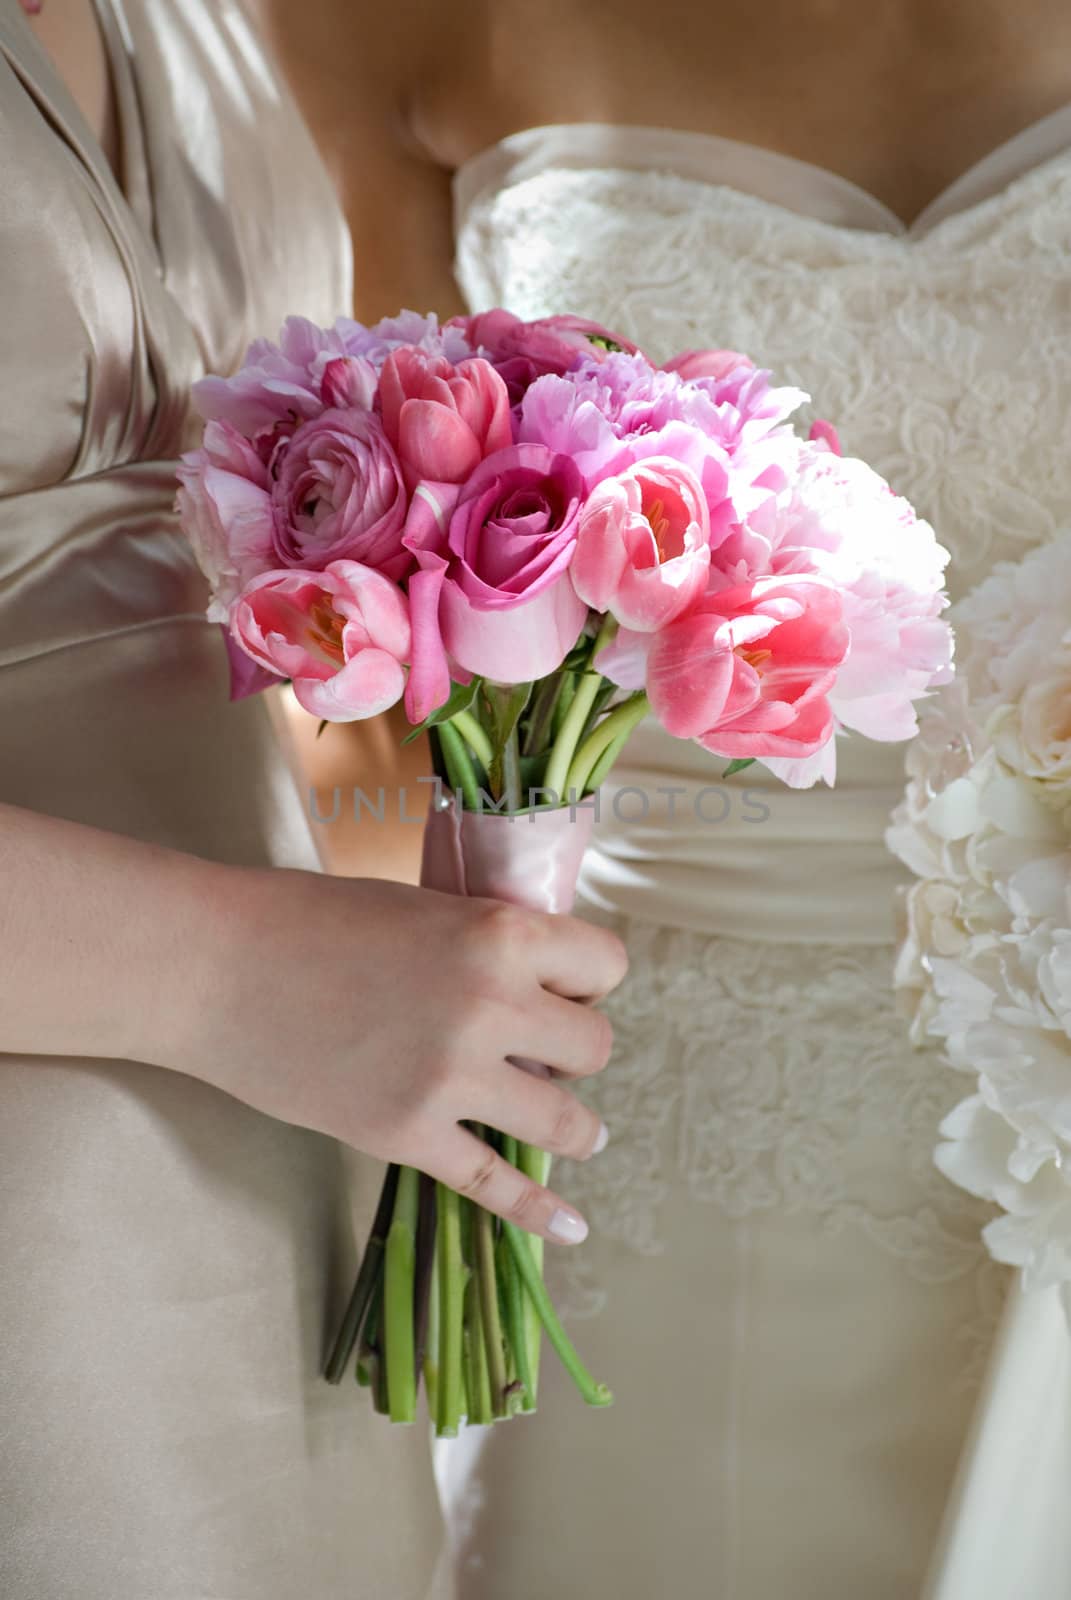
[{"x": 986, "y": 827}]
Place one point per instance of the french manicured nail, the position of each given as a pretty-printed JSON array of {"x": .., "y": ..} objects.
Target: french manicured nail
[
  {"x": 568, "y": 1227},
  {"x": 602, "y": 1141}
]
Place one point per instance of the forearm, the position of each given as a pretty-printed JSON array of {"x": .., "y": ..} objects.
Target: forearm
[{"x": 104, "y": 941}]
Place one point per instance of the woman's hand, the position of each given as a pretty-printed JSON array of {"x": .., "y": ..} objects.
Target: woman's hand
[{"x": 386, "y": 1015}]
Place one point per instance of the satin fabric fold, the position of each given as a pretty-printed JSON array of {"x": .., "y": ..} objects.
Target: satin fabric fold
[{"x": 173, "y": 1261}]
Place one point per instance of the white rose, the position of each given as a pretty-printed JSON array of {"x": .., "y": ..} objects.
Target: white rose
[{"x": 1034, "y": 736}]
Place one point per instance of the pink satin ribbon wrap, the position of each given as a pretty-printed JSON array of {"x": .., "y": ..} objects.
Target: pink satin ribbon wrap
[{"x": 531, "y": 860}]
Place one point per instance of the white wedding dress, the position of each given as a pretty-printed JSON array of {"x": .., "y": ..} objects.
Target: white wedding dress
[{"x": 791, "y": 1304}]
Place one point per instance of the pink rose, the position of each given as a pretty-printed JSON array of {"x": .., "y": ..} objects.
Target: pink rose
[
  {"x": 341, "y": 636},
  {"x": 338, "y": 494},
  {"x": 443, "y": 419},
  {"x": 494, "y": 590},
  {"x": 747, "y": 672},
  {"x": 643, "y": 544}
]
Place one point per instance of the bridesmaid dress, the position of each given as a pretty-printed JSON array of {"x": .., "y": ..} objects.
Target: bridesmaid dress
[
  {"x": 792, "y": 1306},
  {"x": 173, "y": 1262}
]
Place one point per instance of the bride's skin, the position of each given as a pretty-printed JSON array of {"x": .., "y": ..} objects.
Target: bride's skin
[
  {"x": 900, "y": 96},
  {"x": 310, "y": 998}
]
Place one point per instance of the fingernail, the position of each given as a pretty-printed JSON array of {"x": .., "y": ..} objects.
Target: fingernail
[
  {"x": 567, "y": 1226},
  {"x": 602, "y": 1141}
]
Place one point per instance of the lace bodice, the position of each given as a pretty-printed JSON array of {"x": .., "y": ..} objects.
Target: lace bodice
[
  {"x": 769, "y": 1077},
  {"x": 941, "y": 352}
]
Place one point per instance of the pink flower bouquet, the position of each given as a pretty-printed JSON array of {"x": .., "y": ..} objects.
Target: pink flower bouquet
[{"x": 536, "y": 537}]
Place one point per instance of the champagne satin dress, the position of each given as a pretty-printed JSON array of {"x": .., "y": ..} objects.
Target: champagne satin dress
[{"x": 173, "y": 1262}]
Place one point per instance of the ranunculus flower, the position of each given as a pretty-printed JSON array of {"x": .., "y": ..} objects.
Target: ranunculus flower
[
  {"x": 643, "y": 544},
  {"x": 493, "y": 591},
  {"x": 443, "y": 419},
  {"x": 549, "y": 344},
  {"x": 225, "y": 505},
  {"x": 338, "y": 494},
  {"x": 747, "y": 672},
  {"x": 341, "y": 635}
]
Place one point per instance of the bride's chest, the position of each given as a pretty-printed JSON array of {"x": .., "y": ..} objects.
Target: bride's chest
[{"x": 944, "y": 360}]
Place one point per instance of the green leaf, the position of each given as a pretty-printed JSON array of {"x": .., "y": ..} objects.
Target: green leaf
[
  {"x": 738, "y": 766},
  {"x": 460, "y": 698},
  {"x": 506, "y": 703}
]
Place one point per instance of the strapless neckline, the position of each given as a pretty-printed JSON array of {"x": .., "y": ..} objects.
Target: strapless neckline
[{"x": 783, "y": 181}]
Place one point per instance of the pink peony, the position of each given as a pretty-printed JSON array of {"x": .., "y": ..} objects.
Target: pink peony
[
  {"x": 493, "y": 591},
  {"x": 225, "y": 507},
  {"x": 747, "y": 672},
  {"x": 277, "y": 385},
  {"x": 338, "y": 493},
  {"x": 610, "y": 414},
  {"x": 441, "y": 419},
  {"x": 717, "y": 364},
  {"x": 643, "y": 544},
  {"x": 843, "y": 522},
  {"x": 341, "y": 636},
  {"x": 409, "y": 330}
]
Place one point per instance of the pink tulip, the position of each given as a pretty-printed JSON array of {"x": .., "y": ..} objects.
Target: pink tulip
[
  {"x": 493, "y": 591},
  {"x": 443, "y": 419},
  {"x": 748, "y": 671},
  {"x": 341, "y": 635},
  {"x": 643, "y": 544}
]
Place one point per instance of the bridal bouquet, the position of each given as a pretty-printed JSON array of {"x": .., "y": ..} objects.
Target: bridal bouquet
[
  {"x": 986, "y": 827},
  {"x": 537, "y": 537}
]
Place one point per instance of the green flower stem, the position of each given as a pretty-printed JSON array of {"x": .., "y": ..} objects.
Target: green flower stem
[
  {"x": 618, "y": 725},
  {"x": 572, "y": 729},
  {"x": 563, "y": 702},
  {"x": 542, "y": 717},
  {"x": 596, "y": 1394},
  {"x": 535, "y": 1164},
  {"x": 432, "y": 1345},
  {"x": 453, "y": 1275},
  {"x": 459, "y": 767},
  {"x": 605, "y": 762},
  {"x": 368, "y": 1363},
  {"x": 478, "y": 1381},
  {"x": 367, "y": 1277},
  {"x": 424, "y": 1272},
  {"x": 398, "y": 1299},
  {"x": 511, "y": 771},
  {"x": 564, "y": 746},
  {"x": 513, "y": 1294},
  {"x": 474, "y": 736},
  {"x": 486, "y": 1278}
]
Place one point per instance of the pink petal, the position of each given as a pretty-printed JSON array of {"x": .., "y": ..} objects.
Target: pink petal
[
  {"x": 372, "y": 682},
  {"x": 429, "y": 674},
  {"x": 526, "y": 641}
]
